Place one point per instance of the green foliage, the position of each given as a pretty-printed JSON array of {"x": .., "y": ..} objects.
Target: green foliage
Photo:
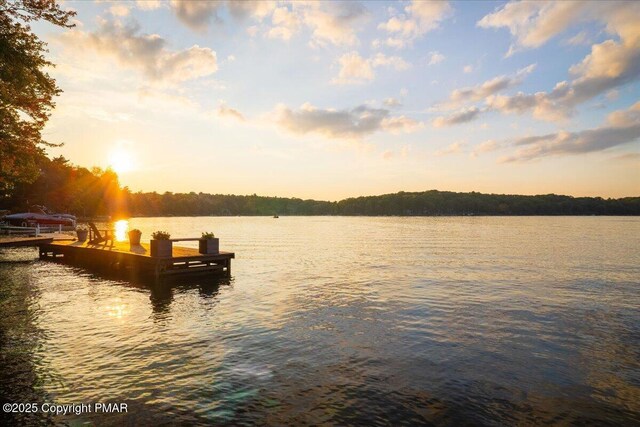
[
  {"x": 430, "y": 203},
  {"x": 207, "y": 235},
  {"x": 26, "y": 91},
  {"x": 160, "y": 235},
  {"x": 63, "y": 187}
]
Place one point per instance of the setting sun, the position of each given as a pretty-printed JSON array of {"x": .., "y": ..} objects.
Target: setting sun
[{"x": 121, "y": 160}]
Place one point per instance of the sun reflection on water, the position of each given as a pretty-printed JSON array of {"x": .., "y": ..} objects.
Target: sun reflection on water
[{"x": 121, "y": 228}]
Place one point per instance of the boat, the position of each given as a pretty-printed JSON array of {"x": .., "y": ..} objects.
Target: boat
[{"x": 39, "y": 216}]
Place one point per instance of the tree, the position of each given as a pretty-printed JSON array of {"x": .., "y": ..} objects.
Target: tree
[{"x": 26, "y": 90}]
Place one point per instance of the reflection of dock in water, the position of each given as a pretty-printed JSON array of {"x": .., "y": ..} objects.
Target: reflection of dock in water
[{"x": 136, "y": 258}]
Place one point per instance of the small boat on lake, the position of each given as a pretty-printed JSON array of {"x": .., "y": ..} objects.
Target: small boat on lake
[{"x": 39, "y": 216}]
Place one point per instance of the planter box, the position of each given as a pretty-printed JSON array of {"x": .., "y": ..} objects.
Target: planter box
[
  {"x": 209, "y": 246},
  {"x": 134, "y": 238},
  {"x": 82, "y": 235},
  {"x": 161, "y": 248}
]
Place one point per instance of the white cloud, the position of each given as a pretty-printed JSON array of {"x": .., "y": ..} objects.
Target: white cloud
[
  {"x": 622, "y": 127},
  {"x": 400, "y": 124},
  {"x": 244, "y": 9},
  {"x": 534, "y": 23},
  {"x": 199, "y": 15},
  {"x": 148, "y": 4},
  {"x": 468, "y": 69},
  {"x": 196, "y": 15},
  {"x": 610, "y": 64},
  {"x": 454, "y": 148},
  {"x": 579, "y": 39},
  {"x": 435, "y": 58},
  {"x": 392, "y": 102},
  {"x": 285, "y": 24},
  {"x": 147, "y": 53},
  {"x": 354, "y": 123},
  {"x": 119, "y": 9},
  {"x": 333, "y": 22},
  {"x": 226, "y": 112},
  {"x": 462, "y": 116},
  {"x": 485, "y": 147},
  {"x": 355, "y": 69},
  {"x": 491, "y": 87},
  {"x": 418, "y": 19}
]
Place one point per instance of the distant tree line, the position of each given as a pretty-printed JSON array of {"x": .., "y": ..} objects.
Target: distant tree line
[{"x": 64, "y": 187}]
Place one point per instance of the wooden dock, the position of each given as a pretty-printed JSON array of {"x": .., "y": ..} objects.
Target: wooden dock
[
  {"x": 122, "y": 257},
  {"x": 13, "y": 242}
]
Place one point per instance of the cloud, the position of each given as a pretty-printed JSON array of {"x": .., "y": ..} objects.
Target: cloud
[
  {"x": 486, "y": 89},
  {"x": 333, "y": 22},
  {"x": 435, "y": 58},
  {"x": 400, "y": 124},
  {"x": 148, "y": 4},
  {"x": 119, "y": 10},
  {"x": 196, "y": 14},
  {"x": 468, "y": 69},
  {"x": 199, "y": 15},
  {"x": 609, "y": 65},
  {"x": 622, "y": 127},
  {"x": 418, "y": 19},
  {"x": 328, "y": 22},
  {"x": 285, "y": 24},
  {"x": 147, "y": 53},
  {"x": 454, "y": 148},
  {"x": 227, "y": 112},
  {"x": 244, "y": 9},
  {"x": 354, "y": 123},
  {"x": 462, "y": 116},
  {"x": 579, "y": 39},
  {"x": 485, "y": 147},
  {"x": 355, "y": 69},
  {"x": 534, "y": 23},
  {"x": 392, "y": 102}
]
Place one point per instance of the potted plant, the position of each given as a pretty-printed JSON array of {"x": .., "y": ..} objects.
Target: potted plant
[
  {"x": 209, "y": 244},
  {"x": 82, "y": 234},
  {"x": 160, "y": 244},
  {"x": 134, "y": 236}
]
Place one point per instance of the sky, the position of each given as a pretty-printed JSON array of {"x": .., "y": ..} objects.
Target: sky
[{"x": 329, "y": 100}]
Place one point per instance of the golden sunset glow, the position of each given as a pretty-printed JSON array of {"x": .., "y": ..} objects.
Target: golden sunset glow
[
  {"x": 121, "y": 228},
  {"x": 121, "y": 160}
]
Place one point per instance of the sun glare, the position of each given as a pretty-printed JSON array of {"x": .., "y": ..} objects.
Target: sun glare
[
  {"x": 122, "y": 227},
  {"x": 121, "y": 160}
]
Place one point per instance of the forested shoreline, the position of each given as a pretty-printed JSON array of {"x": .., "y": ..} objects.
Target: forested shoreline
[{"x": 64, "y": 187}]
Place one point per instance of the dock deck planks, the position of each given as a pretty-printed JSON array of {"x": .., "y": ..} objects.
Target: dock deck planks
[
  {"x": 11, "y": 242},
  {"x": 121, "y": 255}
]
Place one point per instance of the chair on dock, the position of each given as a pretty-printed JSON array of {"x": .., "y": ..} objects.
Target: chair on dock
[{"x": 96, "y": 236}]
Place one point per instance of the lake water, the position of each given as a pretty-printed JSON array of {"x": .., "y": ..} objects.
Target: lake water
[{"x": 339, "y": 320}]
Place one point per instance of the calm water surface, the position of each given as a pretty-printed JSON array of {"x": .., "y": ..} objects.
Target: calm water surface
[{"x": 376, "y": 321}]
